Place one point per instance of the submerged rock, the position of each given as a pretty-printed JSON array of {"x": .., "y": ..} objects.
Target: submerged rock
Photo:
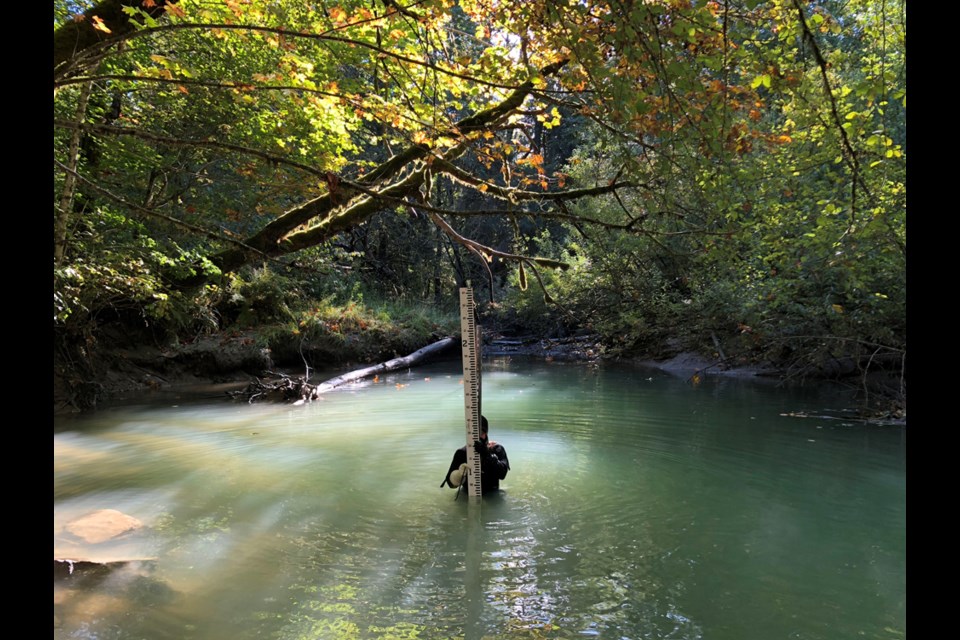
[{"x": 102, "y": 525}]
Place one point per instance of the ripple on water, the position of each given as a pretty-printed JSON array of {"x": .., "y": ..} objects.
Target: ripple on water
[{"x": 637, "y": 506}]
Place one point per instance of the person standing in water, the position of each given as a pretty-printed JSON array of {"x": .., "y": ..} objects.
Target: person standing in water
[{"x": 494, "y": 464}]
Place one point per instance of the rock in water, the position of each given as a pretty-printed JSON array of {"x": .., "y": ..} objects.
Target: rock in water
[{"x": 102, "y": 525}]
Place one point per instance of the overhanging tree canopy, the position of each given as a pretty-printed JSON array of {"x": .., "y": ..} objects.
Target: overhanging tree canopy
[
  {"x": 269, "y": 127},
  {"x": 327, "y": 87}
]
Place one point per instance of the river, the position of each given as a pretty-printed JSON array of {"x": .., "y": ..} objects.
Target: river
[{"x": 639, "y": 505}]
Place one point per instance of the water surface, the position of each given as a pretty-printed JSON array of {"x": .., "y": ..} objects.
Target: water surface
[{"x": 639, "y": 505}]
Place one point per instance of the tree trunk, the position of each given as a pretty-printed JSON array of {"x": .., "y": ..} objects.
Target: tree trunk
[
  {"x": 299, "y": 391},
  {"x": 437, "y": 264},
  {"x": 76, "y": 36},
  {"x": 62, "y": 220},
  {"x": 390, "y": 365}
]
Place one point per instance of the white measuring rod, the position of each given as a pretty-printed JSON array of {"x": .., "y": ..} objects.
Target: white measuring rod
[{"x": 470, "y": 345}]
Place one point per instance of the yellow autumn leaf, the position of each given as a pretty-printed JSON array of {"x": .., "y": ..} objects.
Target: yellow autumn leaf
[
  {"x": 99, "y": 25},
  {"x": 175, "y": 10},
  {"x": 837, "y": 308}
]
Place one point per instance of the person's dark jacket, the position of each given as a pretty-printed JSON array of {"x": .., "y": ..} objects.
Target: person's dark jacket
[{"x": 493, "y": 467}]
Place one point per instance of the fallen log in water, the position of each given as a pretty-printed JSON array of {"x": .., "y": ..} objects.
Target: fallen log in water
[{"x": 298, "y": 390}]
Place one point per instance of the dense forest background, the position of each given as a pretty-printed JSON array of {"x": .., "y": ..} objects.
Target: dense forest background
[{"x": 725, "y": 177}]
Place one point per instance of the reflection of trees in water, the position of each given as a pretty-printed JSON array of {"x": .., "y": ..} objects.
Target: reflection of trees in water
[{"x": 90, "y": 590}]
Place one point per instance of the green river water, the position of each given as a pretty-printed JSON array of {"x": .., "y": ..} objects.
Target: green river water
[{"x": 639, "y": 505}]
